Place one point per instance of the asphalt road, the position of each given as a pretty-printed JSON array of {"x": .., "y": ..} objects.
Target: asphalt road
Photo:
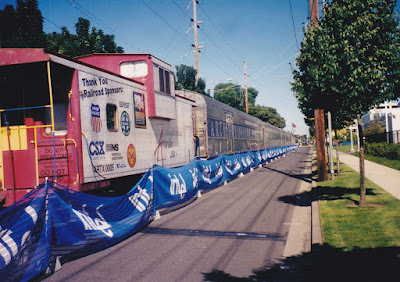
[{"x": 233, "y": 231}]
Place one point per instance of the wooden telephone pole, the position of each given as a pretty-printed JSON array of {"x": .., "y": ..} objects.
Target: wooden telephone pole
[
  {"x": 319, "y": 115},
  {"x": 196, "y": 45},
  {"x": 246, "y": 94}
]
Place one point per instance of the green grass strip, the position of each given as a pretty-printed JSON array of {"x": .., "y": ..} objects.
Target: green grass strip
[{"x": 350, "y": 227}]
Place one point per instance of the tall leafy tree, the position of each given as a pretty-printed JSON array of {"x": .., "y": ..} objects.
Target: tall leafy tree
[
  {"x": 87, "y": 40},
  {"x": 350, "y": 62},
  {"x": 234, "y": 95},
  {"x": 186, "y": 79},
  {"x": 23, "y": 27},
  {"x": 268, "y": 114},
  {"x": 230, "y": 94}
]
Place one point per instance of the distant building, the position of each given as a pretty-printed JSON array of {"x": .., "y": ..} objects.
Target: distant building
[{"x": 388, "y": 114}]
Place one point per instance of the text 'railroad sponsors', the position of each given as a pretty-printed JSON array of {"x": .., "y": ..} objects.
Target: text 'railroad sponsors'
[{"x": 91, "y": 86}]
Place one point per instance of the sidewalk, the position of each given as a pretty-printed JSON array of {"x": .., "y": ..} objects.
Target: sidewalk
[{"x": 385, "y": 177}]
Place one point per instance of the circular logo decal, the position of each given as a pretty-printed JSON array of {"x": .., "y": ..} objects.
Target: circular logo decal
[
  {"x": 125, "y": 123},
  {"x": 131, "y": 154}
]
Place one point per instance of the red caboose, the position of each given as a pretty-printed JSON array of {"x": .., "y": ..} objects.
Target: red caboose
[{"x": 85, "y": 126}]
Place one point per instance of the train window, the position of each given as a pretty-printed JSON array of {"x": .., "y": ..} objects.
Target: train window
[
  {"x": 112, "y": 117},
  {"x": 161, "y": 75},
  {"x": 134, "y": 69},
  {"x": 162, "y": 81},
  {"x": 167, "y": 87}
]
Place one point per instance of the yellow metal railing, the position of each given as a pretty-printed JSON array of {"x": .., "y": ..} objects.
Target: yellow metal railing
[{"x": 18, "y": 141}]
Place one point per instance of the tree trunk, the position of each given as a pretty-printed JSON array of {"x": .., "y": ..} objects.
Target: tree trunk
[
  {"x": 363, "y": 190},
  {"x": 320, "y": 144}
]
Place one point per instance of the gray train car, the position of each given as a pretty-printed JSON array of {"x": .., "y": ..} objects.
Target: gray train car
[{"x": 222, "y": 129}]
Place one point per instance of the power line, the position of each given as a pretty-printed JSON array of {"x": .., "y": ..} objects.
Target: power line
[
  {"x": 158, "y": 15},
  {"x": 165, "y": 55},
  {"x": 52, "y": 23},
  {"x": 216, "y": 28},
  {"x": 75, "y": 4},
  {"x": 294, "y": 27}
]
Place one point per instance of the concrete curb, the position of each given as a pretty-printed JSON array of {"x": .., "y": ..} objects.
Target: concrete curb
[{"x": 316, "y": 230}]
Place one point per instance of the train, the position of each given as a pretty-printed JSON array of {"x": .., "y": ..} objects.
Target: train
[{"x": 99, "y": 120}]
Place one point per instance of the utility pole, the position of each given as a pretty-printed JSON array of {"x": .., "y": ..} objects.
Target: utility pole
[
  {"x": 196, "y": 45},
  {"x": 319, "y": 114},
  {"x": 246, "y": 94}
]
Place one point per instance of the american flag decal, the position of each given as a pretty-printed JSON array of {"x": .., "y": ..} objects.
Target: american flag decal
[{"x": 96, "y": 121}]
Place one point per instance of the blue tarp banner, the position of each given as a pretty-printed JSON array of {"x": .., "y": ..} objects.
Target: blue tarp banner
[
  {"x": 210, "y": 172},
  {"x": 53, "y": 221},
  {"x": 174, "y": 186}
]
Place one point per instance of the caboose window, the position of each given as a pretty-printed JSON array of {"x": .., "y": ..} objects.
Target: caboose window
[
  {"x": 162, "y": 81},
  {"x": 112, "y": 117},
  {"x": 167, "y": 87},
  {"x": 134, "y": 69}
]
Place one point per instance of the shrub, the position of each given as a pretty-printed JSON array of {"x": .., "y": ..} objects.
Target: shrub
[{"x": 390, "y": 151}]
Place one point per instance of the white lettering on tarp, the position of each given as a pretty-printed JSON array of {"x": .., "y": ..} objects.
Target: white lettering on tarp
[
  {"x": 140, "y": 200},
  {"x": 228, "y": 165},
  {"x": 248, "y": 159},
  {"x": 207, "y": 170},
  {"x": 207, "y": 173},
  {"x": 244, "y": 163},
  {"x": 4, "y": 253},
  {"x": 10, "y": 242},
  {"x": 220, "y": 171},
  {"x": 176, "y": 187},
  {"x": 194, "y": 176},
  {"x": 237, "y": 165},
  {"x": 94, "y": 224}
]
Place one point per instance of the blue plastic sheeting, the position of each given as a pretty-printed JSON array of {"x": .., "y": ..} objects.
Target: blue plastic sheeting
[
  {"x": 173, "y": 186},
  {"x": 54, "y": 221}
]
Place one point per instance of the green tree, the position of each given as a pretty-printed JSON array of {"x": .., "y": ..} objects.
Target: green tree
[
  {"x": 186, "y": 79},
  {"x": 267, "y": 114},
  {"x": 230, "y": 94},
  {"x": 234, "y": 95},
  {"x": 23, "y": 27},
  {"x": 350, "y": 62},
  {"x": 86, "y": 41}
]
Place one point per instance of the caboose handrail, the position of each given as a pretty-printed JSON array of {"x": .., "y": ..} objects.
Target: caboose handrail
[
  {"x": 51, "y": 96},
  {"x": 76, "y": 156},
  {"x": 25, "y": 127},
  {"x": 25, "y": 108}
]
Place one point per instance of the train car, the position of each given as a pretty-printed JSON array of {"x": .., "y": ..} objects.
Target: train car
[
  {"x": 223, "y": 129},
  {"x": 219, "y": 128},
  {"x": 85, "y": 126}
]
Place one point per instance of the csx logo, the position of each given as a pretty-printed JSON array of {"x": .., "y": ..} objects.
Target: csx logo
[{"x": 96, "y": 148}]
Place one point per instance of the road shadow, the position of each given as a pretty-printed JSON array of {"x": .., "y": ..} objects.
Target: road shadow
[
  {"x": 325, "y": 263},
  {"x": 304, "y": 177},
  {"x": 324, "y": 194}
]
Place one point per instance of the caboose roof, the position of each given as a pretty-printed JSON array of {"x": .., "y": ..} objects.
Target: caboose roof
[
  {"x": 19, "y": 56},
  {"x": 121, "y": 55}
]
